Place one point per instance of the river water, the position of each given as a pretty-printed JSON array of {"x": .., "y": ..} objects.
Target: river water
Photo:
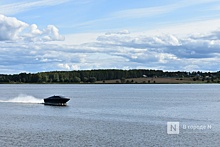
[{"x": 110, "y": 115}]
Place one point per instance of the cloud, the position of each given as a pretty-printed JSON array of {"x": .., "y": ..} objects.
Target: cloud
[
  {"x": 122, "y": 32},
  {"x": 143, "y": 12},
  {"x": 157, "y": 10},
  {"x": 213, "y": 35},
  {"x": 12, "y": 29},
  {"x": 14, "y": 8},
  {"x": 52, "y": 34},
  {"x": 69, "y": 66},
  {"x": 166, "y": 51},
  {"x": 35, "y": 30},
  {"x": 119, "y": 49}
]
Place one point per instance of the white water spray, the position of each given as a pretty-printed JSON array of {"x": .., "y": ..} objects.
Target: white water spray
[{"x": 24, "y": 99}]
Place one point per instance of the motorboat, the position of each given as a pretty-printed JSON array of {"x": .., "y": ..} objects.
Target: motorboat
[{"x": 56, "y": 100}]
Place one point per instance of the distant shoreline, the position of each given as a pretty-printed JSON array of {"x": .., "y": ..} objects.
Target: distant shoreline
[
  {"x": 112, "y": 76},
  {"x": 136, "y": 81}
]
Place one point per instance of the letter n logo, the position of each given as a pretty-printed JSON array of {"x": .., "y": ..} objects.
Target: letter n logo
[{"x": 173, "y": 127}]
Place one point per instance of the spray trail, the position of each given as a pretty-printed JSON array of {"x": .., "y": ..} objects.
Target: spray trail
[{"x": 23, "y": 99}]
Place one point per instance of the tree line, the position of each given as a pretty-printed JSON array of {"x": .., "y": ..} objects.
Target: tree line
[{"x": 91, "y": 76}]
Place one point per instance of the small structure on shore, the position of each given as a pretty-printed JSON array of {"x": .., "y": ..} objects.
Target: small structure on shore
[{"x": 56, "y": 101}]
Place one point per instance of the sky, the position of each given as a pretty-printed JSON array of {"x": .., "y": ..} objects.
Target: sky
[{"x": 65, "y": 35}]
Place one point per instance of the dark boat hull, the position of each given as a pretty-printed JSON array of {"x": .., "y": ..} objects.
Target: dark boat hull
[
  {"x": 56, "y": 101},
  {"x": 55, "y": 104}
]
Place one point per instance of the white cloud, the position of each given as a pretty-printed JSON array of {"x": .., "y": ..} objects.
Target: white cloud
[
  {"x": 69, "y": 66},
  {"x": 12, "y": 29},
  {"x": 52, "y": 34},
  {"x": 35, "y": 30}
]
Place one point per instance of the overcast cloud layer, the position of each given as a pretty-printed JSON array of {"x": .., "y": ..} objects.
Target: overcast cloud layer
[{"x": 32, "y": 46}]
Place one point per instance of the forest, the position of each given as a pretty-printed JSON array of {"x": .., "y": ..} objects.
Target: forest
[{"x": 92, "y": 76}]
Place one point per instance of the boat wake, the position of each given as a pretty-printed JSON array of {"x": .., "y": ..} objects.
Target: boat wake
[{"x": 24, "y": 99}]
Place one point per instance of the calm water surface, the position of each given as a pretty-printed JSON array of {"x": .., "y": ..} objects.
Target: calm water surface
[{"x": 110, "y": 115}]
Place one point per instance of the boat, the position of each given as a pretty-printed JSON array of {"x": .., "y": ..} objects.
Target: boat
[{"x": 56, "y": 101}]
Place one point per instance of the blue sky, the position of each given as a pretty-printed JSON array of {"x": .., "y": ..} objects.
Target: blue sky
[{"x": 169, "y": 35}]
